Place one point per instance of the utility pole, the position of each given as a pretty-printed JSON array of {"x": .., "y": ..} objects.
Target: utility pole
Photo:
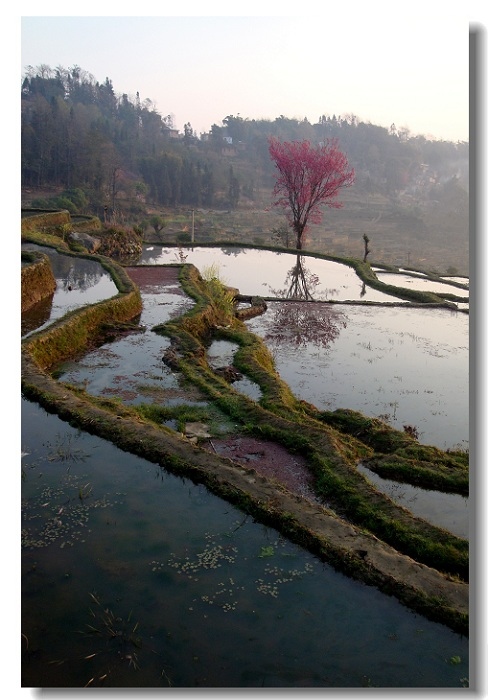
[{"x": 192, "y": 225}]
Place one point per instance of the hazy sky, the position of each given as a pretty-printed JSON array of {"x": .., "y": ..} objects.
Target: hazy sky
[{"x": 395, "y": 66}]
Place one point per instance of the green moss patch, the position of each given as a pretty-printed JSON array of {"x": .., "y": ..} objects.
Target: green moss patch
[{"x": 405, "y": 556}]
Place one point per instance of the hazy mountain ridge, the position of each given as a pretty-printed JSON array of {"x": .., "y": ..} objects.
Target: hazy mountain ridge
[{"x": 411, "y": 194}]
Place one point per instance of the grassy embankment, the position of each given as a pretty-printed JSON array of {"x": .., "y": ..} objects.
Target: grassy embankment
[
  {"x": 401, "y": 234},
  {"x": 331, "y": 443}
]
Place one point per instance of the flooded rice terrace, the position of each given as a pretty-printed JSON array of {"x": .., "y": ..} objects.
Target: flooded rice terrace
[
  {"x": 266, "y": 273},
  {"x": 79, "y": 282},
  {"x": 133, "y": 577},
  {"x": 404, "y": 365}
]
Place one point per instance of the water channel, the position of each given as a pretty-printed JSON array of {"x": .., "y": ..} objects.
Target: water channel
[{"x": 199, "y": 595}]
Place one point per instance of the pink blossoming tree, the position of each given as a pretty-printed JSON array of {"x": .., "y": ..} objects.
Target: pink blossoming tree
[{"x": 308, "y": 177}]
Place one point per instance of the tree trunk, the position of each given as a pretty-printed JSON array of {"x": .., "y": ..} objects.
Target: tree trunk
[{"x": 299, "y": 228}]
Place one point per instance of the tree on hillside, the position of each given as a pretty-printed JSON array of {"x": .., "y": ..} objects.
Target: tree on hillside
[
  {"x": 281, "y": 235},
  {"x": 308, "y": 177},
  {"x": 234, "y": 189},
  {"x": 189, "y": 135},
  {"x": 157, "y": 222}
]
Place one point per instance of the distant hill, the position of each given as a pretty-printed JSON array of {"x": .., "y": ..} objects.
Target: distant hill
[{"x": 91, "y": 150}]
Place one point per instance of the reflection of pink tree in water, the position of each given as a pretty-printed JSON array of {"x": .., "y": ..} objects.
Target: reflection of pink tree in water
[
  {"x": 300, "y": 283},
  {"x": 299, "y": 324}
]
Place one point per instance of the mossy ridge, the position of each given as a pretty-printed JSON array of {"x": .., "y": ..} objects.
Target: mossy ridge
[
  {"x": 126, "y": 434},
  {"x": 370, "y": 436},
  {"x": 79, "y": 329},
  {"x": 37, "y": 279},
  {"x": 420, "y": 473},
  {"x": 399, "y": 456},
  {"x": 122, "y": 426},
  {"x": 119, "y": 276},
  {"x": 181, "y": 414},
  {"x": 365, "y": 273},
  {"x": 82, "y": 328},
  {"x": 330, "y": 457}
]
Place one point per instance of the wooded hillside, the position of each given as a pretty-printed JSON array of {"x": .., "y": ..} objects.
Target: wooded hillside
[{"x": 91, "y": 150}]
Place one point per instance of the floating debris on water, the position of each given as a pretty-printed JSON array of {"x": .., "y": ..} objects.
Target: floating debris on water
[
  {"x": 59, "y": 515},
  {"x": 227, "y": 591}
]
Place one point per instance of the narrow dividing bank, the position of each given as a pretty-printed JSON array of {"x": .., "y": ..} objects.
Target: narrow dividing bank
[{"x": 361, "y": 532}]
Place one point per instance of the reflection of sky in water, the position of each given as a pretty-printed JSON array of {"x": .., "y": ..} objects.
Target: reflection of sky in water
[
  {"x": 137, "y": 500},
  {"x": 120, "y": 367},
  {"x": 461, "y": 280},
  {"x": 232, "y": 623},
  {"x": 264, "y": 273},
  {"x": 221, "y": 353},
  {"x": 421, "y": 285},
  {"x": 93, "y": 288},
  {"x": 409, "y": 364},
  {"x": 447, "y": 510},
  {"x": 78, "y": 281}
]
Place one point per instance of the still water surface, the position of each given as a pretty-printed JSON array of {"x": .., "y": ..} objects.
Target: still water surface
[
  {"x": 266, "y": 273},
  {"x": 79, "y": 282},
  {"x": 216, "y": 600},
  {"x": 408, "y": 366},
  {"x": 423, "y": 285},
  {"x": 200, "y": 595}
]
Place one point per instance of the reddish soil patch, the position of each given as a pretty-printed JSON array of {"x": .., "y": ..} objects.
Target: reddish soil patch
[
  {"x": 269, "y": 460},
  {"x": 148, "y": 277}
]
